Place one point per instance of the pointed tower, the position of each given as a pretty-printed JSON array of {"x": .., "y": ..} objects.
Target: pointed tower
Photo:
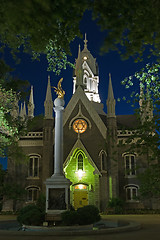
[
  {"x": 31, "y": 105},
  {"x": 86, "y": 73},
  {"x": 48, "y": 104},
  {"x": 48, "y": 122},
  {"x": 112, "y": 143},
  {"x": 23, "y": 111},
  {"x": 110, "y": 100}
]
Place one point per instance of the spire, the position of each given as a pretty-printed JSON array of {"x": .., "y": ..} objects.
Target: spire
[
  {"x": 79, "y": 70},
  {"x": 85, "y": 41},
  {"x": 31, "y": 104},
  {"x": 23, "y": 111},
  {"x": 79, "y": 51},
  {"x": 110, "y": 100},
  {"x": 48, "y": 104}
]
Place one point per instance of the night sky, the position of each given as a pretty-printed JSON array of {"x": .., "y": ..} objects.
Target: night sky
[{"x": 36, "y": 71}]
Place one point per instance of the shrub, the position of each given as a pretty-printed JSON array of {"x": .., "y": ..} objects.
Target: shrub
[
  {"x": 83, "y": 216},
  {"x": 116, "y": 204},
  {"x": 70, "y": 217},
  {"x": 41, "y": 203},
  {"x": 30, "y": 215},
  {"x": 88, "y": 214}
]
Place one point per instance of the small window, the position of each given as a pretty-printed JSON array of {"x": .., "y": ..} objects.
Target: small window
[
  {"x": 33, "y": 167},
  {"x": 130, "y": 165},
  {"x": 131, "y": 193},
  {"x": 85, "y": 82},
  {"x": 32, "y": 194},
  {"x": 80, "y": 162},
  {"x": 103, "y": 159}
]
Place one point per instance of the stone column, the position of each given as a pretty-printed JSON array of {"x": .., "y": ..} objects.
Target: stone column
[{"x": 58, "y": 147}]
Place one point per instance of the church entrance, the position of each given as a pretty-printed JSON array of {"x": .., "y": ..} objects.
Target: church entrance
[{"x": 80, "y": 196}]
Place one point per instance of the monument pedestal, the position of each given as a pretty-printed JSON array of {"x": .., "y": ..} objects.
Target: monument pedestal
[{"x": 57, "y": 194}]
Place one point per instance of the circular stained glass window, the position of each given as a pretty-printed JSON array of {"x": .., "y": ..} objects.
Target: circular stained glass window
[{"x": 79, "y": 126}]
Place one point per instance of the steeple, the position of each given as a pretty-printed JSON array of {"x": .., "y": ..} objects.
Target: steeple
[
  {"x": 48, "y": 104},
  {"x": 85, "y": 41},
  {"x": 110, "y": 100},
  {"x": 31, "y": 105},
  {"x": 23, "y": 111},
  {"x": 86, "y": 73}
]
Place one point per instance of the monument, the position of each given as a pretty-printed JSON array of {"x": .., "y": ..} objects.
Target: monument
[{"x": 57, "y": 186}]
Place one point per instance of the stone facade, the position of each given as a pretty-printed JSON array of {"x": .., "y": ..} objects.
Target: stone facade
[{"x": 92, "y": 161}]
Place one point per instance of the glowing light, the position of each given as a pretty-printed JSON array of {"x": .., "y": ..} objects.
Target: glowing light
[
  {"x": 85, "y": 58},
  {"x": 80, "y": 186},
  {"x": 80, "y": 173},
  {"x": 79, "y": 126}
]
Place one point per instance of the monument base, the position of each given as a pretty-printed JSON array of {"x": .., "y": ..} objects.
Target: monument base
[{"x": 57, "y": 194}]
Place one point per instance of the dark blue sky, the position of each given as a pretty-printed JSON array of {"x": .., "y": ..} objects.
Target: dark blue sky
[{"x": 36, "y": 72}]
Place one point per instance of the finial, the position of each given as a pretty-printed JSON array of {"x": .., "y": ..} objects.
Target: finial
[
  {"x": 109, "y": 76},
  {"x": 59, "y": 91},
  {"x": 85, "y": 41},
  {"x": 48, "y": 77}
]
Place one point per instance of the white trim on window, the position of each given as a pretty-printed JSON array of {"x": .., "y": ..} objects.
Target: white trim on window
[
  {"x": 33, "y": 166},
  {"x": 32, "y": 193},
  {"x": 130, "y": 164},
  {"x": 131, "y": 192}
]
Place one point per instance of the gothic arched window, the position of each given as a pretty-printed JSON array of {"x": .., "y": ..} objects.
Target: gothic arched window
[
  {"x": 32, "y": 193},
  {"x": 33, "y": 170},
  {"x": 80, "y": 162},
  {"x": 130, "y": 164},
  {"x": 103, "y": 160},
  {"x": 131, "y": 192}
]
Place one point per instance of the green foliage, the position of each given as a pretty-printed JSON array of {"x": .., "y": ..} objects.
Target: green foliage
[
  {"x": 30, "y": 215},
  {"x": 41, "y": 203},
  {"x": 148, "y": 115},
  {"x": 145, "y": 139},
  {"x": 83, "y": 216},
  {"x": 41, "y": 27},
  {"x": 88, "y": 214},
  {"x": 10, "y": 93},
  {"x": 70, "y": 217},
  {"x": 117, "y": 205},
  {"x": 13, "y": 191},
  {"x": 138, "y": 26},
  {"x": 150, "y": 182},
  {"x": 57, "y": 58}
]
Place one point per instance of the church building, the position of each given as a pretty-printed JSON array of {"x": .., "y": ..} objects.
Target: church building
[{"x": 97, "y": 168}]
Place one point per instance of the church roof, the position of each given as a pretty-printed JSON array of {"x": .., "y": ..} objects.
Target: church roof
[{"x": 126, "y": 121}]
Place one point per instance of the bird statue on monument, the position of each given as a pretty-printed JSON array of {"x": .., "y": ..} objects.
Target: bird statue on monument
[{"x": 59, "y": 91}]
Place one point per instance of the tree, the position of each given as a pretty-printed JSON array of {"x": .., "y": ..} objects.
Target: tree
[
  {"x": 10, "y": 93},
  {"x": 146, "y": 137},
  {"x": 41, "y": 27},
  {"x": 132, "y": 26}
]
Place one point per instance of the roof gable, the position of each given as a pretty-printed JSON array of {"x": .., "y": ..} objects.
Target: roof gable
[{"x": 80, "y": 95}]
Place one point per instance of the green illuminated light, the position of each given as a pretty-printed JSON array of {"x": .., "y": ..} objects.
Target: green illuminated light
[{"x": 110, "y": 187}]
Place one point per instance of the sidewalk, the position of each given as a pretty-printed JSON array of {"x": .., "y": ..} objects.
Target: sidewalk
[{"x": 7, "y": 217}]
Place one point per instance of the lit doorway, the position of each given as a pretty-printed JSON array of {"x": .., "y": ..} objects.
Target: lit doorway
[{"x": 80, "y": 196}]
